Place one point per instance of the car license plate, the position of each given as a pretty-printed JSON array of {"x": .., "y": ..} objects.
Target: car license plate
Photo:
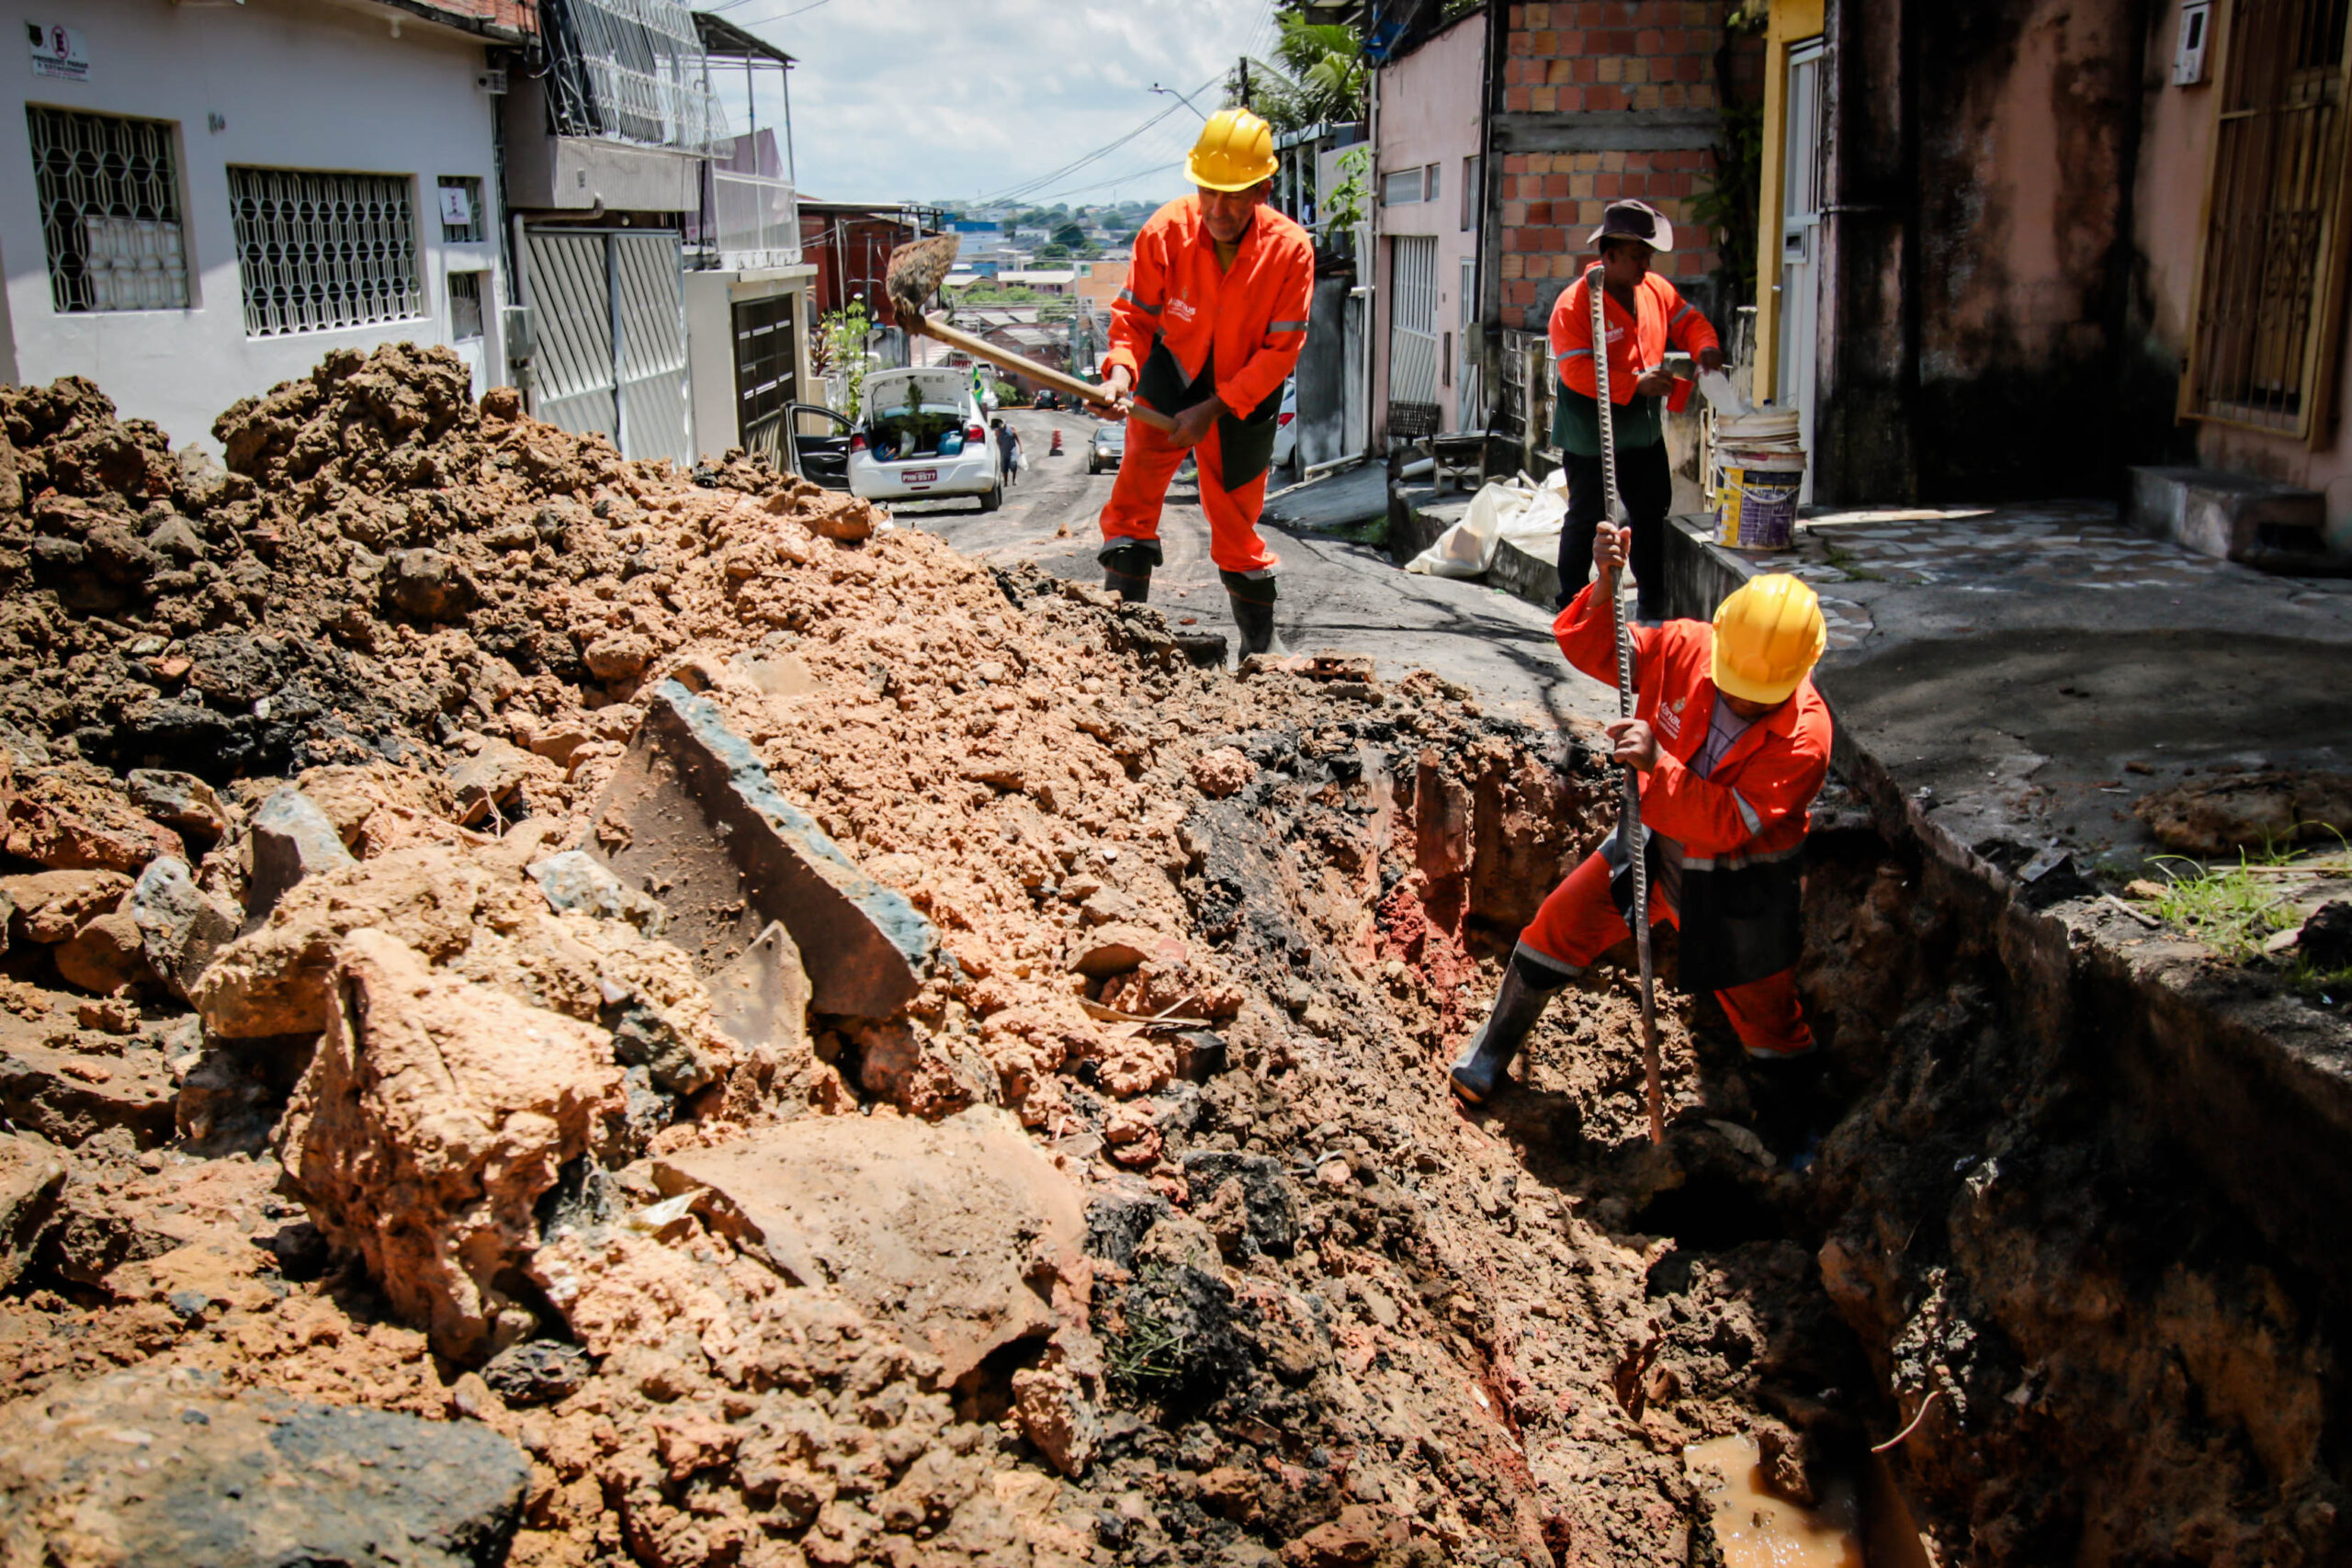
[{"x": 919, "y": 476}]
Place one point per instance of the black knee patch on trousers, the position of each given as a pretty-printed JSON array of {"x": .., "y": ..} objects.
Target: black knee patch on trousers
[
  {"x": 1256, "y": 589},
  {"x": 1537, "y": 975},
  {"x": 1134, "y": 557}
]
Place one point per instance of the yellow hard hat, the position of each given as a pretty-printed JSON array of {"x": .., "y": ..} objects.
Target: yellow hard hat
[
  {"x": 1236, "y": 151},
  {"x": 1768, "y": 633}
]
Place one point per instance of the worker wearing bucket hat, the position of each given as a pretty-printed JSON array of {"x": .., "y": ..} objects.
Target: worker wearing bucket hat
[
  {"x": 1208, "y": 330},
  {"x": 1732, "y": 743},
  {"x": 1646, "y": 314}
]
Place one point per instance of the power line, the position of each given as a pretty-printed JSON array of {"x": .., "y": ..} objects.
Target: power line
[{"x": 1022, "y": 190}]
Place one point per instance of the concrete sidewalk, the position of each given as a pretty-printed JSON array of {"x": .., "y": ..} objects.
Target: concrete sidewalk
[{"x": 2024, "y": 673}]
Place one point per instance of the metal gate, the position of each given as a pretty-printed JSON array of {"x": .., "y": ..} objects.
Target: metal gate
[
  {"x": 610, "y": 309},
  {"x": 1412, "y": 335},
  {"x": 767, "y": 357}
]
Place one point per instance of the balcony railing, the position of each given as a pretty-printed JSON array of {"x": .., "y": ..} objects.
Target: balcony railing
[{"x": 748, "y": 220}]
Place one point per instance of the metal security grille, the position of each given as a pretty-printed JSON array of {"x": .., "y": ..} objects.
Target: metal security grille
[
  {"x": 767, "y": 355},
  {"x": 318, "y": 251},
  {"x": 631, "y": 70},
  {"x": 610, "y": 308},
  {"x": 2270, "y": 283},
  {"x": 1412, "y": 335},
  {"x": 110, "y": 210}
]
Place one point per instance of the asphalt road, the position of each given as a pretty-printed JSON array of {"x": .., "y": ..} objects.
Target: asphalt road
[{"x": 1337, "y": 597}]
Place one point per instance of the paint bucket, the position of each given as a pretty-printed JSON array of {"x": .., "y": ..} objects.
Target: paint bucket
[{"x": 1756, "y": 498}]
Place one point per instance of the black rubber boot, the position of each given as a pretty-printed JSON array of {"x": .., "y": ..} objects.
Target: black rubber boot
[
  {"x": 1127, "y": 571},
  {"x": 1787, "y": 1092},
  {"x": 1253, "y": 610},
  {"x": 1480, "y": 1071}
]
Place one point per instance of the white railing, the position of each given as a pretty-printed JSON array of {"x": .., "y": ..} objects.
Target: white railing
[{"x": 756, "y": 220}]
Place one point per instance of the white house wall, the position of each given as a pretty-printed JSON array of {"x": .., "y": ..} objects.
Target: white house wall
[
  {"x": 1429, "y": 114},
  {"x": 299, "y": 86}
]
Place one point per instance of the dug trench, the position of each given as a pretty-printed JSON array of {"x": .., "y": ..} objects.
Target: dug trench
[{"x": 563, "y": 1010}]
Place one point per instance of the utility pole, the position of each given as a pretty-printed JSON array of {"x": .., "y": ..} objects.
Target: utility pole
[{"x": 1245, "y": 81}]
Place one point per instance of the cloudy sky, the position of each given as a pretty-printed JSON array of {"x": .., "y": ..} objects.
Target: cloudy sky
[{"x": 964, "y": 99}]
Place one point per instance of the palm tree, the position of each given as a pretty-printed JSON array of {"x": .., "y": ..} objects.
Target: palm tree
[{"x": 1320, "y": 75}]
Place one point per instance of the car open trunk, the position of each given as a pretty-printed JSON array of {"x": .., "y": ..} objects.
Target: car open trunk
[{"x": 916, "y": 414}]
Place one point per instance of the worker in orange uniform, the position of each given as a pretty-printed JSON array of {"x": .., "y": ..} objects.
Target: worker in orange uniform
[
  {"x": 1732, "y": 743},
  {"x": 1205, "y": 332},
  {"x": 1644, "y": 313}
]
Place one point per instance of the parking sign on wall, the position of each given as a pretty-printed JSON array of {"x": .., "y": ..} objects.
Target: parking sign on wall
[{"x": 58, "y": 52}]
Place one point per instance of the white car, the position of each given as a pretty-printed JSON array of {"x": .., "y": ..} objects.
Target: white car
[
  {"x": 1286, "y": 426},
  {"x": 923, "y": 437}
]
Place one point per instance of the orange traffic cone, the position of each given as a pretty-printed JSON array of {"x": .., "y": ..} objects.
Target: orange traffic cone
[{"x": 1057, "y": 445}]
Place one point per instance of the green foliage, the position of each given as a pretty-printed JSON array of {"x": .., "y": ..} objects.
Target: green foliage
[
  {"x": 1153, "y": 1351},
  {"x": 2230, "y": 909},
  {"x": 1319, "y": 73},
  {"x": 1727, "y": 207},
  {"x": 1345, "y": 208},
  {"x": 839, "y": 348},
  {"x": 1748, "y": 17}
]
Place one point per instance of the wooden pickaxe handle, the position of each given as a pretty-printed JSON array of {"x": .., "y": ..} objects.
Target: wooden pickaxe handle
[{"x": 1005, "y": 359}]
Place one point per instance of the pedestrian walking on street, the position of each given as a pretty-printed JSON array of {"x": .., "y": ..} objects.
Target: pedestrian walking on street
[
  {"x": 1008, "y": 445},
  {"x": 1645, "y": 314},
  {"x": 1205, "y": 332},
  {"x": 1732, "y": 742}
]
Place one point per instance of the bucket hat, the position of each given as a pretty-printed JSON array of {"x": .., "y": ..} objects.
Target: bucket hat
[{"x": 1636, "y": 221}]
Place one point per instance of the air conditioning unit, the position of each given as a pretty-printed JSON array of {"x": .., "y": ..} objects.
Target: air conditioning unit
[{"x": 492, "y": 81}]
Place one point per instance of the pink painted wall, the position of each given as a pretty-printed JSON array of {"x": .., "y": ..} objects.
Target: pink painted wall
[
  {"x": 2177, "y": 138},
  {"x": 1429, "y": 114}
]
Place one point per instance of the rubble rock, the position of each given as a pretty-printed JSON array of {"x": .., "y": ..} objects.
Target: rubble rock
[
  {"x": 1222, "y": 771},
  {"x": 65, "y": 825},
  {"x": 32, "y": 1172},
  {"x": 291, "y": 838},
  {"x": 105, "y": 953},
  {"x": 539, "y": 1372},
  {"x": 937, "y": 1229},
  {"x": 52, "y": 904},
  {"x": 695, "y": 815},
  {"x": 433, "y": 1115},
  {"x": 578, "y": 883},
  {"x": 69, "y": 1096},
  {"x": 2221, "y": 812},
  {"x": 2325, "y": 940},
  {"x": 180, "y": 925},
  {"x": 1056, "y": 1415},
  {"x": 490, "y": 785},
  {"x": 247, "y": 1476},
  {"x": 377, "y": 808},
  {"x": 622, "y": 656},
  {"x": 1270, "y": 1201},
  {"x": 428, "y": 585},
  {"x": 178, "y": 800}
]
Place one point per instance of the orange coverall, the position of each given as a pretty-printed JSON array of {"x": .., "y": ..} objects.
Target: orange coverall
[
  {"x": 1185, "y": 327},
  {"x": 1752, "y": 812},
  {"x": 1664, "y": 317}
]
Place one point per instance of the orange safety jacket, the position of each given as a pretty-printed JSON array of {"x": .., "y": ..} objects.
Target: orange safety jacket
[
  {"x": 1184, "y": 328},
  {"x": 1636, "y": 343},
  {"x": 1741, "y": 829}
]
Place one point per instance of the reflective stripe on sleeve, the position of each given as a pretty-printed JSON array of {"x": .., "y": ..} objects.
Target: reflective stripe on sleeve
[
  {"x": 1688, "y": 310},
  {"x": 1568, "y": 354},
  {"x": 1747, "y": 816},
  {"x": 1285, "y": 326},
  {"x": 1128, "y": 294}
]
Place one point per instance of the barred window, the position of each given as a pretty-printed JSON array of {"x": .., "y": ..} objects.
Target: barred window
[
  {"x": 110, "y": 210},
  {"x": 465, "y": 305},
  {"x": 319, "y": 250}
]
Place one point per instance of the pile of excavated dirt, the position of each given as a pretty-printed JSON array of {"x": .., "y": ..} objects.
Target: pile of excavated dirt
[
  {"x": 1148, "y": 1234},
  {"x": 426, "y": 1142}
]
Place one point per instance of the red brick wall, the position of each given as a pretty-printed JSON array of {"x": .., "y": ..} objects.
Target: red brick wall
[
  {"x": 1587, "y": 56},
  {"x": 517, "y": 16}
]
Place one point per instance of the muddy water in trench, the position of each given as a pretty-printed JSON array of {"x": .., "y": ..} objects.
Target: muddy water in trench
[{"x": 1756, "y": 1527}]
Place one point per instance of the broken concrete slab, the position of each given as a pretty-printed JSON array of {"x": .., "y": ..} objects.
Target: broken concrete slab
[
  {"x": 180, "y": 925},
  {"x": 692, "y": 815},
  {"x": 433, "y": 1115},
  {"x": 761, "y": 1000},
  {"x": 174, "y": 1467},
  {"x": 942, "y": 1230},
  {"x": 32, "y": 1172},
  {"x": 291, "y": 838}
]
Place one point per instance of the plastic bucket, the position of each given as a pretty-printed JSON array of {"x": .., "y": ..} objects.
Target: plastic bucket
[{"x": 1756, "y": 504}]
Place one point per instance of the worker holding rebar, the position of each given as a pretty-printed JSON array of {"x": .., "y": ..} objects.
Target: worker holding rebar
[
  {"x": 1644, "y": 313},
  {"x": 1204, "y": 336},
  {"x": 1732, "y": 743}
]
